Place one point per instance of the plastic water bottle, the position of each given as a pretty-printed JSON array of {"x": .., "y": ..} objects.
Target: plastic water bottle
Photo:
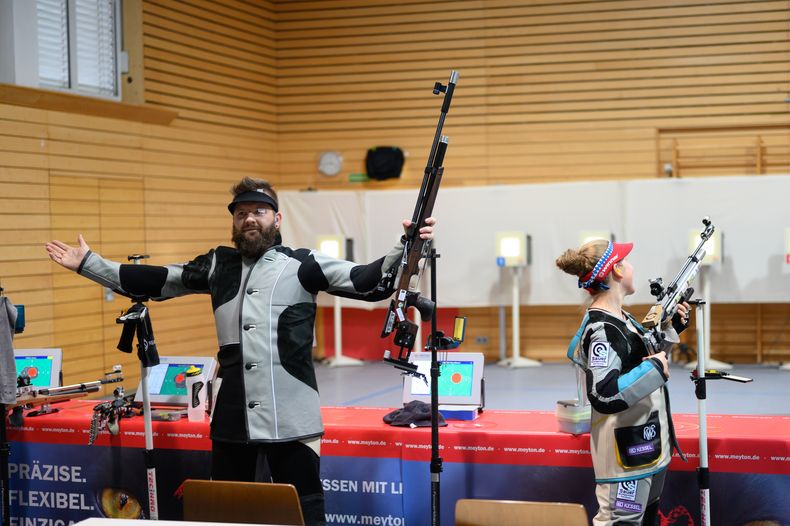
[{"x": 196, "y": 394}]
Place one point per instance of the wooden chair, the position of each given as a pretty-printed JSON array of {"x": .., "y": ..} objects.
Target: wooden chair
[
  {"x": 242, "y": 502},
  {"x": 481, "y": 512}
]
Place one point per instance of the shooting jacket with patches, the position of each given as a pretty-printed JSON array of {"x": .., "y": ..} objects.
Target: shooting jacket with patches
[
  {"x": 265, "y": 312},
  {"x": 632, "y": 435}
]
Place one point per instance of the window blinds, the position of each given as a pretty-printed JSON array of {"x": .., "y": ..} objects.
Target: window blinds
[
  {"x": 53, "y": 43},
  {"x": 77, "y": 45},
  {"x": 96, "y": 50}
]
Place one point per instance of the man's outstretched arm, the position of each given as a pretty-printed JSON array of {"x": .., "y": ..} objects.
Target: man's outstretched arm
[{"x": 153, "y": 281}]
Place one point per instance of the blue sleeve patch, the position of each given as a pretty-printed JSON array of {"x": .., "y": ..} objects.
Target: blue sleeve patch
[{"x": 634, "y": 374}]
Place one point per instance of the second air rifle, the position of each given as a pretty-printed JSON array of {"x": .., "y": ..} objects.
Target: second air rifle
[
  {"x": 415, "y": 248},
  {"x": 29, "y": 396}
]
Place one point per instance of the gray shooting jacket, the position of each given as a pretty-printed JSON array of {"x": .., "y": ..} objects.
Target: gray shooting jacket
[{"x": 265, "y": 312}]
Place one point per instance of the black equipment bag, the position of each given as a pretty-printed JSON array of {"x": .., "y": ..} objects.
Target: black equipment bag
[{"x": 384, "y": 162}]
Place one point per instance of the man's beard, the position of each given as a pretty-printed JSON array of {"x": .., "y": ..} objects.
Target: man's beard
[{"x": 253, "y": 245}]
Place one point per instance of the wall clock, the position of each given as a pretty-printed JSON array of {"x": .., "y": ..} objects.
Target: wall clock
[{"x": 330, "y": 163}]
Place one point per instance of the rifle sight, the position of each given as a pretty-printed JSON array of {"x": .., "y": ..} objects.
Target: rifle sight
[{"x": 657, "y": 287}]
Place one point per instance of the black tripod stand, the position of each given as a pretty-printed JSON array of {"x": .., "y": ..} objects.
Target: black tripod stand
[
  {"x": 136, "y": 321},
  {"x": 414, "y": 250},
  {"x": 436, "y": 460}
]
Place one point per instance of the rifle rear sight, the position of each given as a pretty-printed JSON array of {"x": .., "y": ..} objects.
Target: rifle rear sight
[
  {"x": 708, "y": 230},
  {"x": 657, "y": 287}
]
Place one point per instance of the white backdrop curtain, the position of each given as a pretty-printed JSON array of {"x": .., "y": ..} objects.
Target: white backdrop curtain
[{"x": 752, "y": 212}]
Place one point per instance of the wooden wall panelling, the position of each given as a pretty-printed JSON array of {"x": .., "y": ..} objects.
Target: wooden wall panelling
[
  {"x": 732, "y": 333},
  {"x": 775, "y": 334},
  {"x": 737, "y": 150},
  {"x": 351, "y": 70},
  {"x": 122, "y": 233},
  {"x": 78, "y": 316},
  {"x": 230, "y": 45},
  {"x": 546, "y": 331},
  {"x": 24, "y": 220}
]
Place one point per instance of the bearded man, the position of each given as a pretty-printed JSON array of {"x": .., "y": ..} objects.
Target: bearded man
[{"x": 263, "y": 296}]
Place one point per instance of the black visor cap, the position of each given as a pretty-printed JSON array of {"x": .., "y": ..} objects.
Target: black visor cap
[{"x": 253, "y": 197}]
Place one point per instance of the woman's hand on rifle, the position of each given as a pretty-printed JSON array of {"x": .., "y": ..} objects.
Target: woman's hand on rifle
[
  {"x": 66, "y": 255},
  {"x": 662, "y": 358},
  {"x": 680, "y": 321},
  {"x": 426, "y": 232}
]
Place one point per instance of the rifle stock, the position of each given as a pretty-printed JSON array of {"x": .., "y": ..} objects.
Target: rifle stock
[{"x": 31, "y": 400}]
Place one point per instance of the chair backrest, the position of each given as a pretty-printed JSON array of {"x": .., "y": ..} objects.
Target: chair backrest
[
  {"x": 242, "y": 502},
  {"x": 481, "y": 512}
]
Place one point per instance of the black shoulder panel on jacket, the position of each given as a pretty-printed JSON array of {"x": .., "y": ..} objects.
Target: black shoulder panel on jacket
[
  {"x": 143, "y": 280},
  {"x": 311, "y": 276},
  {"x": 614, "y": 330},
  {"x": 224, "y": 283},
  {"x": 636, "y": 351},
  {"x": 300, "y": 254},
  {"x": 617, "y": 340}
]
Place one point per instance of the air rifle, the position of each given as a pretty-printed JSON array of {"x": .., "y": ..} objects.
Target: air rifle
[
  {"x": 415, "y": 248},
  {"x": 678, "y": 291},
  {"x": 29, "y": 397}
]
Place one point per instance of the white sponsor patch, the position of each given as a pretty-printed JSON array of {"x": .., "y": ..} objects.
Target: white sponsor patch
[
  {"x": 627, "y": 490},
  {"x": 649, "y": 432},
  {"x": 599, "y": 354}
]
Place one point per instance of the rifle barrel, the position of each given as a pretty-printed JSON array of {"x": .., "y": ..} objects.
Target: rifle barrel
[{"x": 435, "y": 143}]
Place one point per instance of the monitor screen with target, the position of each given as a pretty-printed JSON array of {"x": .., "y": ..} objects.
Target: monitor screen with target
[
  {"x": 167, "y": 382},
  {"x": 460, "y": 379},
  {"x": 41, "y": 366}
]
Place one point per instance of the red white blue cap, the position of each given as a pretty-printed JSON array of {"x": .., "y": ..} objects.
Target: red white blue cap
[{"x": 614, "y": 253}]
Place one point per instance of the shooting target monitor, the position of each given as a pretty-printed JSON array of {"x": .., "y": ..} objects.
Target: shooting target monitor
[
  {"x": 42, "y": 366},
  {"x": 460, "y": 379},
  {"x": 167, "y": 381}
]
